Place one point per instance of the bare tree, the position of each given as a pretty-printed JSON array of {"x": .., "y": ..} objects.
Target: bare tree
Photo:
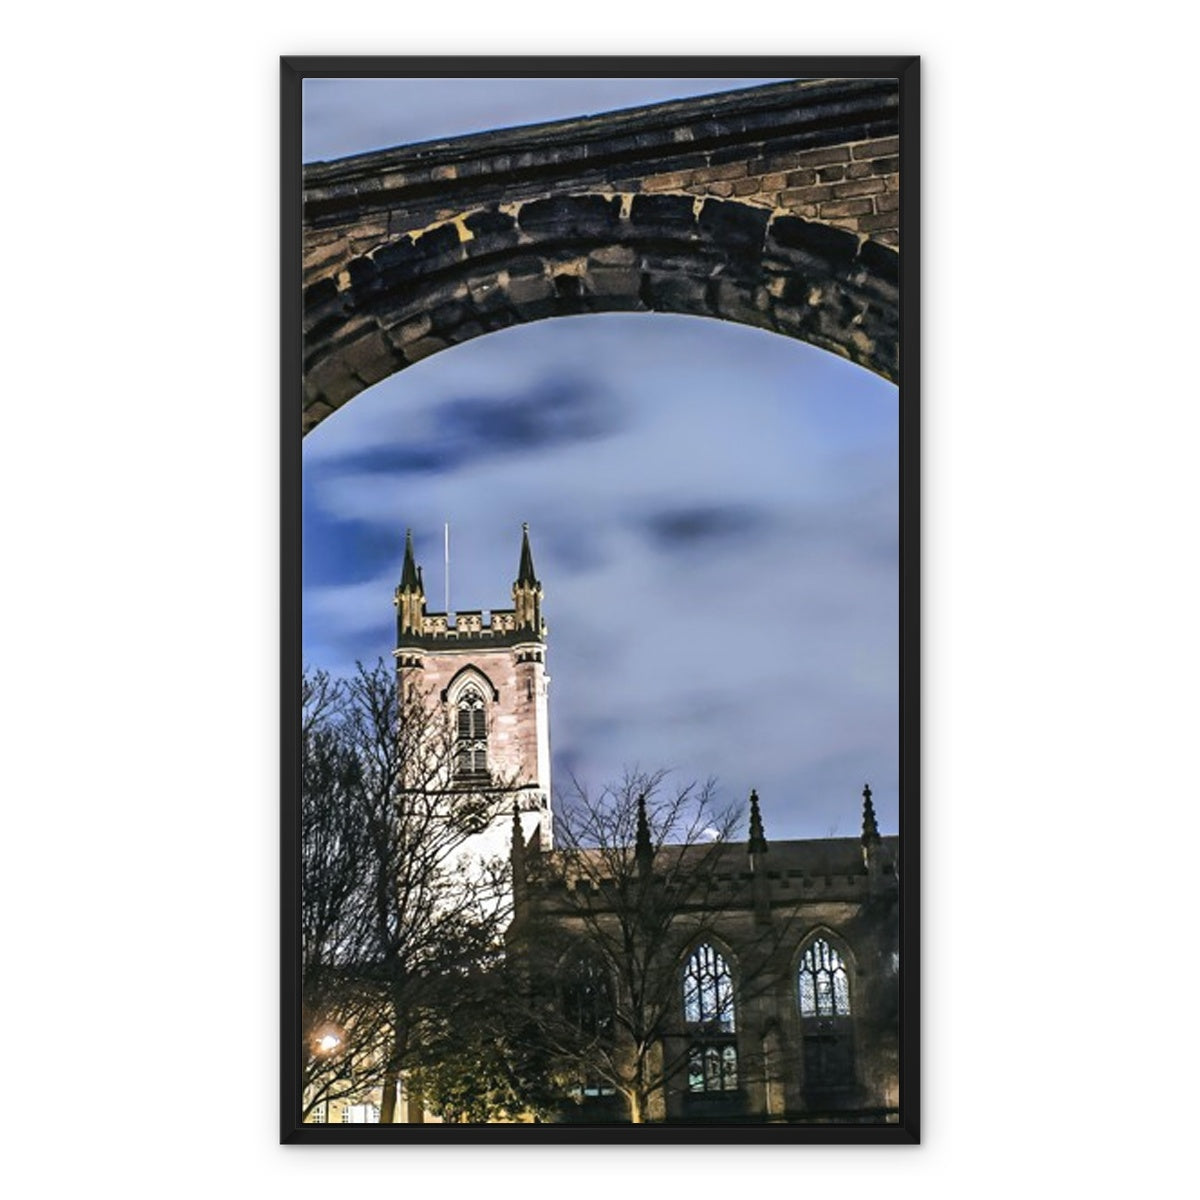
[
  {"x": 397, "y": 914},
  {"x": 335, "y": 997},
  {"x": 604, "y": 919}
]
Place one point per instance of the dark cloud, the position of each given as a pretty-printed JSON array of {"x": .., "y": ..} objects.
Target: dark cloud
[
  {"x": 699, "y": 526},
  {"x": 469, "y": 430},
  {"x": 554, "y": 413},
  {"x": 339, "y": 552}
]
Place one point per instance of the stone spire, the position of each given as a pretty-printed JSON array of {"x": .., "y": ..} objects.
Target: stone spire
[
  {"x": 526, "y": 574},
  {"x": 409, "y": 580},
  {"x": 410, "y": 595},
  {"x": 870, "y": 830},
  {"x": 643, "y": 849},
  {"x": 758, "y": 841},
  {"x": 872, "y": 844},
  {"x": 527, "y": 591},
  {"x": 756, "y": 848}
]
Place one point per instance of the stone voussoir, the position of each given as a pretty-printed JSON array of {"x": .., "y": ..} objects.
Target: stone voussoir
[{"x": 407, "y": 252}]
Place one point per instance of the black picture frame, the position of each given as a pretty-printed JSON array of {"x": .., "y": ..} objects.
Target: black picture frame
[{"x": 905, "y": 71}]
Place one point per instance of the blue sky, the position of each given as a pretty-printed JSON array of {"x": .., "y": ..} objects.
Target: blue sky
[
  {"x": 352, "y": 116},
  {"x": 713, "y": 510}
]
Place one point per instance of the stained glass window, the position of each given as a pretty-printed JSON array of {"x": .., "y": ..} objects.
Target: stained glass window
[
  {"x": 823, "y": 985},
  {"x": 708, "y": 991},
  {"x": 712, "y": 1068},
  {"x": 708, "y": 1011}
]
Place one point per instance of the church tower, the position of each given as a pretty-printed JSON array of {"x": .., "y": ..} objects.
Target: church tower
[{"x": 488, "y": 676}]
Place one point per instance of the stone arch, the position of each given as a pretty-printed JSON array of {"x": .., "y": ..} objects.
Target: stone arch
[
  {"x": 776, "y": 206},
  {"x": 463, "y": 676},
  {"x": 835, "y": 939},
  {"x": 708, "y": 937},
  {"x": 503, "y": 264}
]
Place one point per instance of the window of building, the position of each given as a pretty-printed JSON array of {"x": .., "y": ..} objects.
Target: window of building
[
  {"x": 587, "y": 1004},
  {"x": 708, "y": 990},
  {"x": 708, "y": 1014},
  {"x": 587, "y": 998},
  {"x": 823, "y": 983},
  {"x": 823, "y": 991},
  {"x": 712, "y": 1068},
  {"x": 360, "y": 1114},
  {"x": 471, "y": 741}
]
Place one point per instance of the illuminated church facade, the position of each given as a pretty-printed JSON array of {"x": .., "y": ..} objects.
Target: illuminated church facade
[
  {"x": 487, "y": 674},
  {"x": 787, "y": 984}
]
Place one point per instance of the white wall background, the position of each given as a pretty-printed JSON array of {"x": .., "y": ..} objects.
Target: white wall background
[{"x": 139, "y": 612}]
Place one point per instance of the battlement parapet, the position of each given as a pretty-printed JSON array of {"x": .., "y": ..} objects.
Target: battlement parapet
[
  {"x": 825, "y": 871},
  {"x": 472, "y": 627},
  {"x": 470, "y": 621}
]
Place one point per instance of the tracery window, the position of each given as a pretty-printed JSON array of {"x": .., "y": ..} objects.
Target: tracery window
[
  {"x": 708, "y": 990},
  {"x": 823, "y": 991},
  {"x": 708, "y": 1013},
  {"x": 824, "y": 986},
  {"x": 587, "y": 998},
  {"x": 470, "y": 757},
  {"x": 587, "y": 1002}
]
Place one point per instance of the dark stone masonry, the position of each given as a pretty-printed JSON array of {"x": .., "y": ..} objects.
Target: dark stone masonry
[{"x": 776, "y": 207}]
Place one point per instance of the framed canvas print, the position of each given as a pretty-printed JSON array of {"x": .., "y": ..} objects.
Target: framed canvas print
[{"x": 600, "y": 693}]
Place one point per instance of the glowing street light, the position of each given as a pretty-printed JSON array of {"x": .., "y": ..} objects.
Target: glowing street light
[{"x": 325, "y": 1041}]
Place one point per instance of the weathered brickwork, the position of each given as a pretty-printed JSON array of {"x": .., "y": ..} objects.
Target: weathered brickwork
[
  {"x": 776, "y": 207},
  {"x": 852, "y": 187}
]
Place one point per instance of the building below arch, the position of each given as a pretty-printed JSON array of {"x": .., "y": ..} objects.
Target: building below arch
[{"x": 772, "y": 971}]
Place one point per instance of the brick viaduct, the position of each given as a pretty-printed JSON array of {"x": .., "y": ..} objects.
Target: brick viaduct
[{"x": 775, "y": 206}]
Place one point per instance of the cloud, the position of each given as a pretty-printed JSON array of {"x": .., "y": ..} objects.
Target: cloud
[
  {"x": 557, "y": 412},
  {"x": 702, "y": 526},
  {"x": 713, "y": 513},
  {"x": 459, "y": 432}
]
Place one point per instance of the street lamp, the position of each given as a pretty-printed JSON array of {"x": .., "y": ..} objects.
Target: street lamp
[{"x": 325, "y": 1043}]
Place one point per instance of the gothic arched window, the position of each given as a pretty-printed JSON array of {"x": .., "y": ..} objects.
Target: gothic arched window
[
  {"x": 708, "y": 990},
  {"x": 708, "y": 1014},
  {"x": 823, "y": 984},
  {"x": 587, "y": 1002},
  {"x": 587, "y": 998},
  {"x": 823, "y": 993},
  {"x": 470, "y": 747}
]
